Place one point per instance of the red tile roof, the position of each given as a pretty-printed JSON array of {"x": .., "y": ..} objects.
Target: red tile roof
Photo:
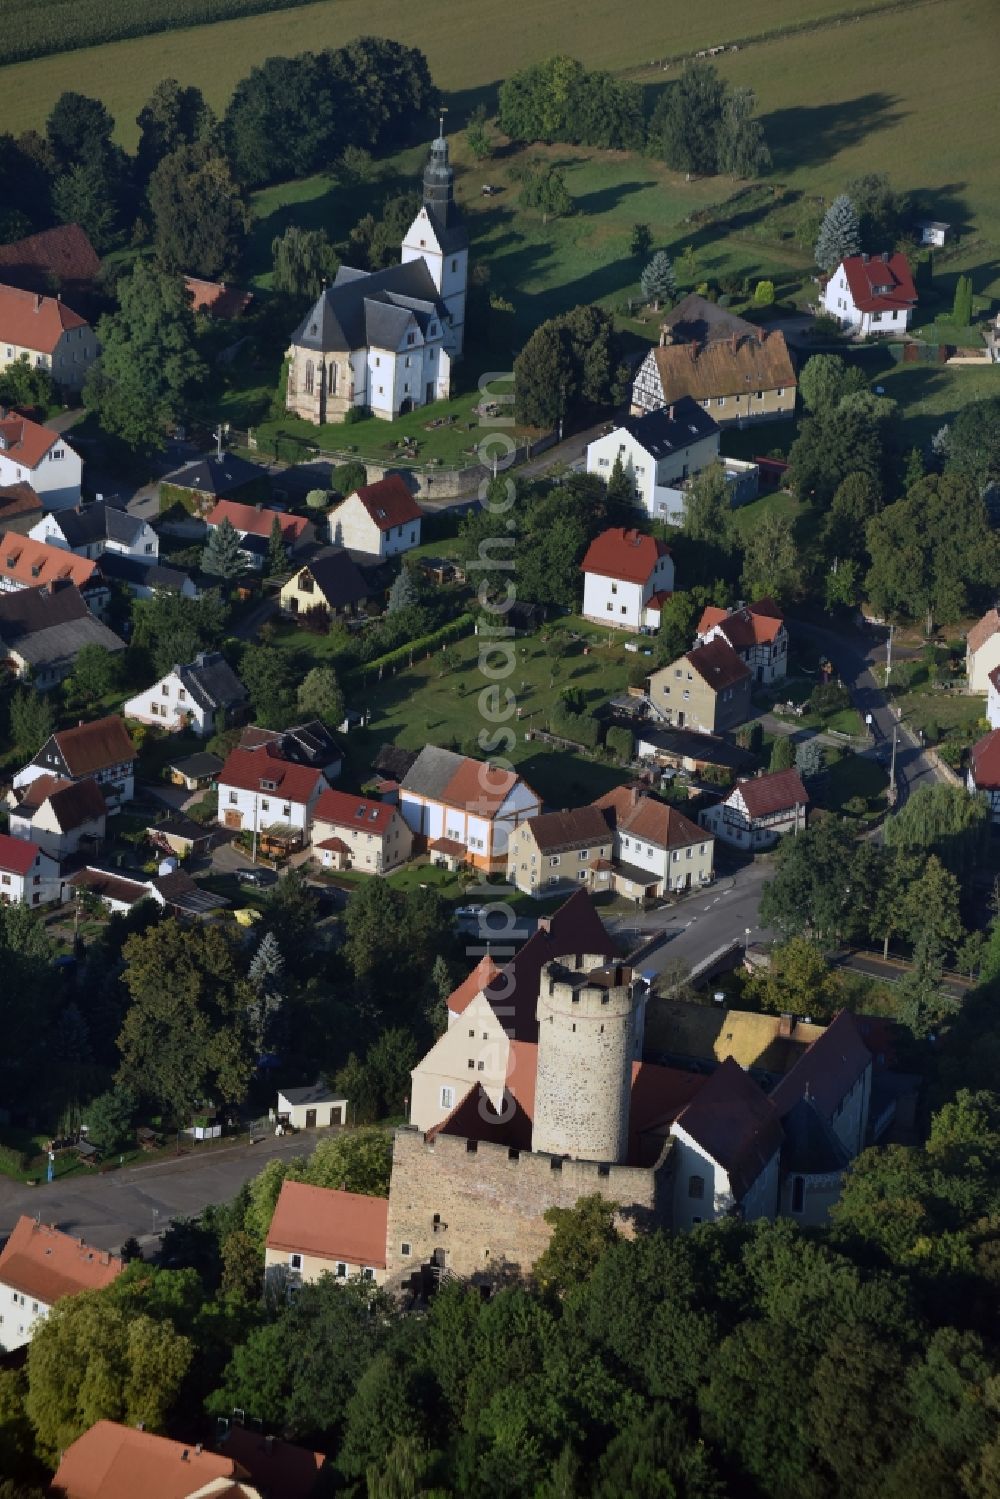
[
  {"x": 757, "y": 624},
  {"x": 718, "y": 664},
  {"x": 91, "y": 747},
  {"x": 257, "y": 520},
  {"x": 63, "y": 254},
  {"x": 120, "y": 1462},
  {"x": 880, "y": 283},
  {"x": 281, "y": 1470},
  {"x": 733, "y": 1121},
  {"x": 32, "y": 321},
  {"x": 245, "y": 770},
  {"x": 658, "y": 1095},
  {"x": 216, "y": 298},
  {"x": 575, "y": 928},
  {"x": 36, "y": 562},
  {"x": 73, "y": 802},
  {"x": 331, "y": 1225},
  {"x": 18, "y": 500},
  {"x": 484, "y": 974},
  {"x": 986, "y": 762},
  {"x": 342, "y": 810},
  {"x": 554, "y": 831},
  {"x": 983, "y": 630},
  {"x": 827, "y": 1070},
  {"x": 626, "y": 554},
  {"x": 17, "y": 855},
  {"x": 25, "y": 441},
  {"x": 776, "y": 792},
  {"x": 451, "y": 847},
  {"x": 389, "y": 502},
  {"x": 40, "y": 1261},
  {"x": 104, "y": 884}
]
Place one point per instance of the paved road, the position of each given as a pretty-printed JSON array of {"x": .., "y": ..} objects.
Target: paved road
[
  {"x": 703, "y": 921},
  {"x": 105, "y": 1210},
  {"x": 857, "y": 654}
]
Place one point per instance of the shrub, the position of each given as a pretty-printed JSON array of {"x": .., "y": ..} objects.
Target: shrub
[
  {"x": 356, "y": 414},
  {"x": 932, "y": 732},
  {"x": 317, "y": 499},
  {"x": 620, "y": 742},
  {"x": 829, "y": 697},
  {"x": 348, "y": 477},
  {"x": 13, "y": 1160},
  {"x": 763, "y": 294},
  {"x": 638, "y": 671}
]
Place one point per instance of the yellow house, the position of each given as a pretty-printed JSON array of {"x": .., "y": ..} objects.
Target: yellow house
[
  {"x": 317, "y": 1231},
  {"x": 329, "y": 581}
]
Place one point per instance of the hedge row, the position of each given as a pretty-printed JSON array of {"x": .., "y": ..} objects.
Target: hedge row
[
  {"x": 403, "y": 654},
  {"x": 12, "y": 1159},
  {"x": 38, "y": 28}
]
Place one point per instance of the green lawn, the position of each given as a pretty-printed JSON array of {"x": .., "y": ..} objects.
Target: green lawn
[
  {"x": 949, "y": 711},
  {"x": 853, "y": 776},
  {"x": 930, "y": 395}
]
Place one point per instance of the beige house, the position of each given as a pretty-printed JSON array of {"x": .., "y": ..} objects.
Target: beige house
[
  {"x": 739, "y": 379},
  {"x": 354, "y": 832},
  {"x": 982, "y": 651},
  {"x": 58, "y": 815},
  {"x": 656, "y": 848},
  {"x": 330, "y": 581},
  {"x": 708, "y": 689},
  {"x": 316, "y": 1231},
  {"x": 379, "y": 520},
  {"x": 557, "y": 847},
  {"x": 47, "y": 333}
]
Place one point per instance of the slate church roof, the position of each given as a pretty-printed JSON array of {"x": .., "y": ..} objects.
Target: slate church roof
[{"x": 362, "y": 310}]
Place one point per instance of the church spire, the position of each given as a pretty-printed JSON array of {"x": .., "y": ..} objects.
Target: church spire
[{"x": 439, "y": 181}]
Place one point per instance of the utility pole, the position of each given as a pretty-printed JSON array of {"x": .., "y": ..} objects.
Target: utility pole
[{"x": 888, "y": 655}]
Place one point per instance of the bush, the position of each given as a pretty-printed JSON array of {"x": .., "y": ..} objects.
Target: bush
[
  {"x": 638, "y": 671},
  {"x": 581, "y": 728},
  {"x": 13, "y": 1160},
  {"x": 348, "y": 477},
  {"x": 317, "y": 499},
  {"x": 356, "y": 414},
  {"x": 932, "y": 732},
  {"x": 829, "y": 697},
  {"x": 620, "y": 742},
  {"x": 764, "y": 294}
]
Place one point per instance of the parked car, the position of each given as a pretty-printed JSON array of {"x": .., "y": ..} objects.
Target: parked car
[{"x": 258, "y": 878}]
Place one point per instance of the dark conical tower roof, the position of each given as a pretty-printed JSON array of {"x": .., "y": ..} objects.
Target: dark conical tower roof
[{"x": 439, "y": 184}]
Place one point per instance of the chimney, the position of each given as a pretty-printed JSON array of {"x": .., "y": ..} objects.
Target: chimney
[
  {"x": 666, "y": 337},
  {"x": 544, "y": 924},
  {"x": 198, "y": 1450},
  {"x": 634, "y": 793},
  {"x": 865, "y": 259},
  {"x": 670, "y": 413},
  {"x": 38, "y": 301},
  {"x": 735, "y": 342},
  {"x": 184, "y": 1455},
  {"x": 885, "y": 257},
  {"x": 786, "y": 1025}
]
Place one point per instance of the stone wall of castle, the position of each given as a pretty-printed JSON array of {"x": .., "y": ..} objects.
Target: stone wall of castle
[{"x": 478, "y": 1209}]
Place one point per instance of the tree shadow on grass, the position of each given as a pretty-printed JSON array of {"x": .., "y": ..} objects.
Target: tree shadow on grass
[
  {"x": 805, "y": 135},
  {"x": 607, "y": 198},
  {"x": 565, "y": 780}
]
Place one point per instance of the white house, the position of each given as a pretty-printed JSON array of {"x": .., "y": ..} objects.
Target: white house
[
  {"x": 727, "y": 1151},
  {"x": 386, "y": 339},
  {"x": 871, "y": 294},
  {"x": 204, "y": 696},
  {"x": 28, "y": 875},
  {"x": 627, "y": 577},
  {"x": 656, "y": 848},
  {"x": 100, "y": 751},
  {"x": 468, "y": 802},
  {"x": 315, "y": 1106},
  {"x": 381, "y": 520},
  {"x": 982, "y": 651},
  {"x": 38, "y": 1267},
  {"x": 50, "y": 335},
  {"x": 317, "y": 1231},
  {"x": 993, "y": 698},
  {"x": 354, "y": 832},
  {"x": 97, "y": 530},
  {"x": 658, "y": 452},
  {"x": 758, "y": 812},
  {"x": 756, "y": 633},
  {"x": 35, "y": 455},
  {"x": 984, "y": 770},
  {"x": 59, "y": 816},
  {"x": 261, "y": 793}
]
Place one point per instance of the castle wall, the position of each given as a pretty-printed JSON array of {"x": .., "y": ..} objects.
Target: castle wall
[{"x": 480, "y": 1212}]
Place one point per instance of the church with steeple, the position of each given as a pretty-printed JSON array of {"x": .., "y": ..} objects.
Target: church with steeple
[{"x": 387, "y": 339}]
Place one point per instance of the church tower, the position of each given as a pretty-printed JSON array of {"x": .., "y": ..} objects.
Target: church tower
[
  {"x": 590, "y": 1020},
  {"x": 439, "y": 237}
]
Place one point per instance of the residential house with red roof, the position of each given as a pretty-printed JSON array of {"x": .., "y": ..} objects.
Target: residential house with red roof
[
  {"x": 58, "y": 816},
  {"x": 494, "y": 1007},
  {"x": 379, "y": 520},
  {"x": 355, "y": 832},
  {"x": 59, "y": 258},
  {"x": 319, "y": 1231},
  {"x": 26, "y": 563},
  {"x": 756, "y": 633},
  {"x": 28, "y": 875},
  {"x": 982, "y": 652},
  {"x": 38, "y": 1267},
  {"x": 707, "y": 689},
  {"x": 983, "y": 773},
  {"x": 472, "y": 803},
  {"x": 559, "y": 848},
  {"x": 254, "y": 524},
  {"x": 111, "y": 1461},
  {"x": 656, "y": 848},
  {"x": 276, "y": 1468},
  {"x": 217, "y": 300},
  {"x": 101, "y": 751},
  {"x": 262, "y": 793},
  {"x": 36, "y": 455},
  {"x": 627, "y": 578},
  {"x": 758, "y": 812},
  {"x": 20, "y": 508},
  {"x": 871, "y": 294},
  {"x": 47, "y": 333}
]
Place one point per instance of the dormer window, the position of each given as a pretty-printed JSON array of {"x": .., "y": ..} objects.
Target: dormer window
[{"x": 268, "y": 785}]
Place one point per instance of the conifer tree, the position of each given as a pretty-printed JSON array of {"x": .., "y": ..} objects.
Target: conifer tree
[
  {"x": 658, "y": 281},
  {"x": 961, "y": 314},
  {"x": 839, "y": 234},
  {"x": 276, "y": 554},
  {"x": 222, "y": 556},
  {"x": 266, "y": 974},
  {"x": 403, "y": 593}
]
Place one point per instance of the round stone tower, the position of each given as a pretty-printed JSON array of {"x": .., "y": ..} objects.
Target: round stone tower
[{"x": 589, "y": 1020}]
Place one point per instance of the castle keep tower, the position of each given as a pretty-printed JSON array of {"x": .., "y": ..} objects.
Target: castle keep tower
[{"x": 590, "y": 1017}]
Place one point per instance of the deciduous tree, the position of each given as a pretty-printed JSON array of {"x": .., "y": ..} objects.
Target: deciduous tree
[
  {"x": 321, "y": 696},
  {"x": 303, "y": 259},
  {"x": 200, "y": 216}
]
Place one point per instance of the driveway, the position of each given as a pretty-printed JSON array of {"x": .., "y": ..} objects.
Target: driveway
[{"x": 142, "y": 1199}]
